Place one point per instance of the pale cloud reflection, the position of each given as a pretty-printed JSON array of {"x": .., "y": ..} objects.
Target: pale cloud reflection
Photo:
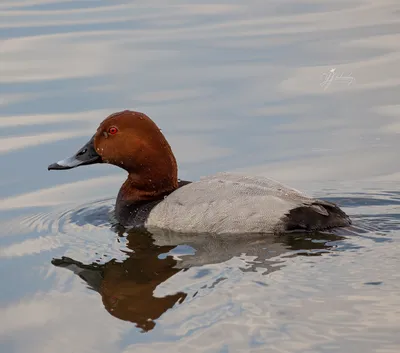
[
  {"x": 112, "y": 14},
  {"x": 83, "y": 117},
  {"x": 170, "y": 95},
  {"x": 393, "y": 113},
  {"x": 373, "y": 162},
  {"x": 32, "y": 246},
  {"x": 60, "y": 315},
  {"x": 8, "y": 99},
  {"x": 38, "y": 316},
  {"x": 69, "y": 60},
  {"x": 23, "y": 3},
  {"x": 84, "y": 190},
  {"x": 196, "y": 149},
  {"x": 10, "y": 144}
]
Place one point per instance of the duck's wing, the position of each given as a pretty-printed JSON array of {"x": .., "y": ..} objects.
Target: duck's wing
[{"x": 310, "y": 214}]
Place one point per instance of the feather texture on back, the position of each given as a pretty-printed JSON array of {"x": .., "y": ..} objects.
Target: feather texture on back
[{"x": 236, "y": 203}]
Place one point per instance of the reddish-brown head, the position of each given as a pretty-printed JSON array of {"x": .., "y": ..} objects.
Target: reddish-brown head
[{"x": 132, "y": 141}]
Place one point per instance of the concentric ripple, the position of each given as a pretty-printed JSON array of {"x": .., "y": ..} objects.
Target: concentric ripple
[{"x": 84, "y": 228}]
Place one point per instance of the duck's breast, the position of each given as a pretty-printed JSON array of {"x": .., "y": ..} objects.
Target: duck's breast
[{"x": 226, "y": 203}]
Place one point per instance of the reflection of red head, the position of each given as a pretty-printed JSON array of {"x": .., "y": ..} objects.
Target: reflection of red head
[{"x": 127, "y": 290}]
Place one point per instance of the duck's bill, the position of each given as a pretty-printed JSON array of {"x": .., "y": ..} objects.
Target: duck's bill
[{"x": 85, "y": 156}]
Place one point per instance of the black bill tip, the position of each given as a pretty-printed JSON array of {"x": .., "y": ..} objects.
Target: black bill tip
[{"x": 85, "y": 156}]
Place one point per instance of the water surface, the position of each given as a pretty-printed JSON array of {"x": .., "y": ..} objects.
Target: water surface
[{"x": 234, "y": 86}]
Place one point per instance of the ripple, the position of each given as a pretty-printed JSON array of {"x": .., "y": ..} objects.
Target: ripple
[
  {"x": 83, "y": 230},
  {"x": 62, "y": 194}
]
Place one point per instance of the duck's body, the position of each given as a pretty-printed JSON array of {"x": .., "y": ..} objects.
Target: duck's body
[
  {"x": 236, "y": 203},
  {"x": 223, "y": 203}
]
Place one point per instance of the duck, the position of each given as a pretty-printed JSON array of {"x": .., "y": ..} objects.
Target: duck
[{"x": 152, "y": 196}]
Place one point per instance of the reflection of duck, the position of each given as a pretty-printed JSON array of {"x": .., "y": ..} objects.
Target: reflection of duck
[
  {"x": 127, "y": 287},
  {"x": 225, "y": 203},
  {"x": 212, "y": 249}
]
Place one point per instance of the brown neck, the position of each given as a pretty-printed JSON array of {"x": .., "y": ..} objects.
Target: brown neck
[
  {"x": 135, "y": 189},
  {"x": 149, "y": 183}
]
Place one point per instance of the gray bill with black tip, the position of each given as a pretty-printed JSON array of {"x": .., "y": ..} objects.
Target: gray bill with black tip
[{"x": 85, "y": 156}]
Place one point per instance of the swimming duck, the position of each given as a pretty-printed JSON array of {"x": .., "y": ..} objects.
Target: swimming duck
[{"x": 152, "y": 196}]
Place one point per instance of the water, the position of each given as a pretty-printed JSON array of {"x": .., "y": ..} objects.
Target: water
[{"x": 234, "y": 86}]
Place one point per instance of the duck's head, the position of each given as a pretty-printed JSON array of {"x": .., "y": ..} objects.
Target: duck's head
[{"x": 132, "y": 141}]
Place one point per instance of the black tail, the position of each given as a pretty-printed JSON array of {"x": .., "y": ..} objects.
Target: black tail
[{"x": 319, "y": 215}]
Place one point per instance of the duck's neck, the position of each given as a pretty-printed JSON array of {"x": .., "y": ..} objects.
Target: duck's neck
[{"x": 142, "y": 188}]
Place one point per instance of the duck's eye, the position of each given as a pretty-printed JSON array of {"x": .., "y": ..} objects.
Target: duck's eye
[{"x": 112, "y": 130}]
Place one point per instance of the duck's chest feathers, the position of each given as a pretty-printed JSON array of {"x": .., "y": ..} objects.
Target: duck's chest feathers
[{"x": 134, "y": 214}]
